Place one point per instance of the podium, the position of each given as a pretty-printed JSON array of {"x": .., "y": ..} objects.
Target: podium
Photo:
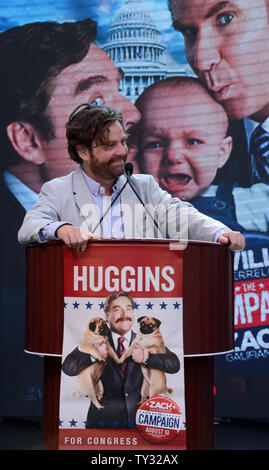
[{"x": 208, "y": 326}]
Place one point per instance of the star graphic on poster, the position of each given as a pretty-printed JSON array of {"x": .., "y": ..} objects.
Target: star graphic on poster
[
  {"x": 136, "y": 306},
  {"x": 176, "y": 305},
  {"x": 75, "y": 305},
  {"x": 101, "y": 424},
  {"x": 101, "y": 305},
  {"x": 65, "y": 304},
  {"x": 60, "y": 422},
  {"x": 73, "y": 423},
  {"x": 261, "y": 285},
  {"x": 237, "y": 289},
  {"x": 149, "y": 306},
  {"x": 116, "y": 424},
  {"x": 87, "y": 423},
  {"x": 130, "y": 424},
  {"x": 89, "y": 305},
  {"x": 163, "y": 306}
]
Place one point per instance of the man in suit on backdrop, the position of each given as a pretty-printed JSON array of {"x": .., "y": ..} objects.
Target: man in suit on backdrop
[
  {"x": 225, "y": 46},
  {"x": 36, "y": 100}
]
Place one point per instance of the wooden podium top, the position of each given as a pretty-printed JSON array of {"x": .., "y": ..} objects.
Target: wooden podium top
[{"x": 208, "y": 303}]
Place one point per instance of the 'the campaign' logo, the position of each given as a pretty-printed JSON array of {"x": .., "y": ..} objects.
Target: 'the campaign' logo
[{"x": 158, "y": 420}]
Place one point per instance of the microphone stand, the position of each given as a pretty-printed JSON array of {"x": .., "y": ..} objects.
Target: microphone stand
[
  {"x": 129, "y": 173},
  {"x": 110, "y": 207}
]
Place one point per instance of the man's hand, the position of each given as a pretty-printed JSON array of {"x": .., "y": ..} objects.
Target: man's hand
[
  {"x": 235, "y": 240},
  {"x": 75, "y": 237}
]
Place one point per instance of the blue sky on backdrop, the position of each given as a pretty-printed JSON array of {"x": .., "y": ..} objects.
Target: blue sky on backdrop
[{"x": 18, "y": 12}]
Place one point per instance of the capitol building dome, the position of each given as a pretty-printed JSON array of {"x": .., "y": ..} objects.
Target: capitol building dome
[
  {"x": 132, "y": 12},
  {"x": 134, "y": 45}
]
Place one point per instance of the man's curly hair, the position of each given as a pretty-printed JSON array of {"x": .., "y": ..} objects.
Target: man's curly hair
[{"x": 87, "y": 125}]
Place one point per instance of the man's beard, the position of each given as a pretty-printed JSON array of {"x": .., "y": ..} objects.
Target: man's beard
[{"x": 108, "y": 170}]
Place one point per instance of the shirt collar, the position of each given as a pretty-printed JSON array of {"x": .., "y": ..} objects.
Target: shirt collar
[
  {"x": 116, "y": 336},
  {"x": 25, "y": 195},
  {"x": 96, "y": 188}
]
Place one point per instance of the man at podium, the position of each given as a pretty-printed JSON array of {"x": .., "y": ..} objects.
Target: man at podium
[{"x": 98, "y": 200}]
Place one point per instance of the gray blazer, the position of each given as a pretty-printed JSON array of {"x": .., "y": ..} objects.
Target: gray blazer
[{"x": 68, "y": 199}]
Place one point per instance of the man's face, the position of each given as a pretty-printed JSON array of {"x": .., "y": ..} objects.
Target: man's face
[
  {"x": 93, "y": 80},
  {"x": 226, "y": 45},
  {"x": 178, "y": 146},
  {"x": 106, "y": 162},
  {"x": 121, "y": 315}
]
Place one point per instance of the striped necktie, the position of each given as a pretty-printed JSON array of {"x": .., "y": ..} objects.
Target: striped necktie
[
  {"x": 259, "y": 149},
  {"x": 121, "y": 349}
]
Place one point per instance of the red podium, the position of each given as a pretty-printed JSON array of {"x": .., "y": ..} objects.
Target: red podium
[{"x": 208, "y": 323}]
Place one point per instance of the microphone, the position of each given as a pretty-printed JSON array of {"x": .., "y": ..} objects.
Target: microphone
[{"x": 129, "y": 168}]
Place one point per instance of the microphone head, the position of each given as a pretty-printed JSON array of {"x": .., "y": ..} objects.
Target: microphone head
[{"x": 129, "y": 168}]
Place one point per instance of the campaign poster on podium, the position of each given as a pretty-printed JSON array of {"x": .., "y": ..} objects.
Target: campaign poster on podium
[{"x": 133, "y": 398}]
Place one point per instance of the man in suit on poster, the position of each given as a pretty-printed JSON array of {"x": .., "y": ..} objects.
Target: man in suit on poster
[
  {"x": 224, "y": 44},
  {"x": 122, "y": 388}
]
